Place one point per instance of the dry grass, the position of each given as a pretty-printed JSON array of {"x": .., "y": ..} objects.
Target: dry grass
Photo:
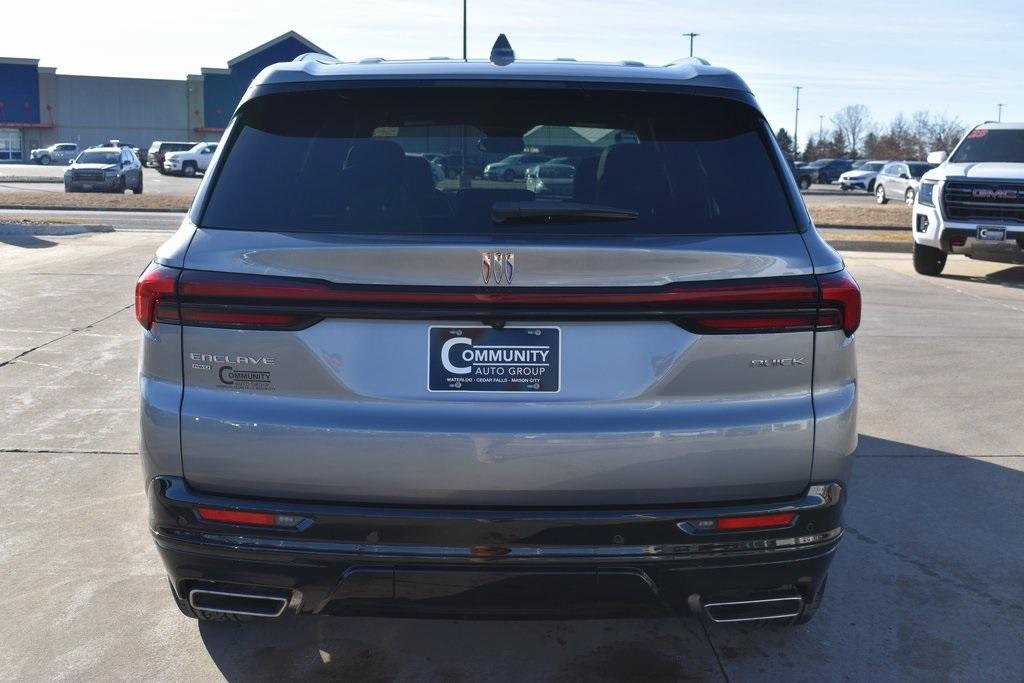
[
  {"x": 84, "y": 200},
  {"x": 896, "y": 216}
]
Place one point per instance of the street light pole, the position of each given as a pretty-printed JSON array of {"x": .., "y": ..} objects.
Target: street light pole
[
  {"x": 821, "y": 126},
  {"x": 465, "y": 57},
  {"x": 796, "y": 122},
  {"x": 692, "y": 36},
  {"x": 1000, "y": 118}
]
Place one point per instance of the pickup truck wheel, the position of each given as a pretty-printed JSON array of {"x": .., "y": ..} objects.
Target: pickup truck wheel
[
  {"x": 188, "y": 170},
  {"x": 908, "y": 197},
  {"x": 804, "y": 183},
  {"x": 928, "y": 260},
  {"x": 138, "y": 187},
  {"x": 44, "y": 160},
  {"x": 880, "y": 197}
]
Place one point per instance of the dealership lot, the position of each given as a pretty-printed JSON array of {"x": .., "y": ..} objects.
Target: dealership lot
[
  {"x": 155, "y": 183},
  {"x": 926, "y": 584}
]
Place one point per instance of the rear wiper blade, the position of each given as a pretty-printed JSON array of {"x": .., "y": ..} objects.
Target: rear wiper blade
[{"x": 557, "y": 212}]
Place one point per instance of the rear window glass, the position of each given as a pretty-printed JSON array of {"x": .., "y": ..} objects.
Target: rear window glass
[{"x": 351, "y": 161}]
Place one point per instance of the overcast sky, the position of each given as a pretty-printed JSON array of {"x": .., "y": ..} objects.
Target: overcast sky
[{"x": 953, "y": 57}]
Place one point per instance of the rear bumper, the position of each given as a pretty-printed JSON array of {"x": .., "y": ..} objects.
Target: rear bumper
[{"x": 402, "y": 561}]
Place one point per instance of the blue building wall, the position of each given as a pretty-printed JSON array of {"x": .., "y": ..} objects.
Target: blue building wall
[
  {"x": 19, "y": 92},
  {"x": 221, "y": 92}
]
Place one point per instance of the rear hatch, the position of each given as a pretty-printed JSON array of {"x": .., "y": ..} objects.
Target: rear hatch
[{"x": 357, "y": 331}]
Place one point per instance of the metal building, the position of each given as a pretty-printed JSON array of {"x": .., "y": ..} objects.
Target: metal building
[{"x": 39, "y": 107}]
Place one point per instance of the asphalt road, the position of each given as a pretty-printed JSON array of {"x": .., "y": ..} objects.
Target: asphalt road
[
  {"x": 927, "y": 584},
  {"x": 153, "y": 182}
]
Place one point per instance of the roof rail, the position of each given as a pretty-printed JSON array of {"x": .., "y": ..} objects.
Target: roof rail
[
  {"x": 372, "y": 60},
  {"x": 631, "y": 62},
  {"x": 689, "y": 61}
]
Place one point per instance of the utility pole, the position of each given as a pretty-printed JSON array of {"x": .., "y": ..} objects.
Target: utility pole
[
  {"x": 692, "y": 36},
  {"x": 821, "y": 125},
  {"x": 1000, "y": 118},
  {"x": 796, "y": 122},
  {"x": 465, "y": 57}
]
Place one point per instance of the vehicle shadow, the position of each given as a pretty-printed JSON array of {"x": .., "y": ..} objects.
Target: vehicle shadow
[
  {"x": 26, "y": 241},
  {"x": 926, "y": 580},
  {"x": 1012, "y": 276}
]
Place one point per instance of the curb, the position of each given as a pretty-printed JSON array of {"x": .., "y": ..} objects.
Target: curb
[
  {"x": 50, "y": 229},
  {"x": 15, "y": 179},
  {"x": 867, "y": 245}
]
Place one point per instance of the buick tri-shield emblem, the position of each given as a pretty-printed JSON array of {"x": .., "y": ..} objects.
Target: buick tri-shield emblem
[{"x": 498, "y": 267}]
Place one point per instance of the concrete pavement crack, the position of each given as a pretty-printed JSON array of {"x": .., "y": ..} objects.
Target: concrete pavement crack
[{"x": 64, "y": 336}]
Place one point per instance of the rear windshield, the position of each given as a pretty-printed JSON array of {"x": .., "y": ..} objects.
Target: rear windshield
[
  {"x": 984, "y": 144},
  {"x": 350, "y": 161}
]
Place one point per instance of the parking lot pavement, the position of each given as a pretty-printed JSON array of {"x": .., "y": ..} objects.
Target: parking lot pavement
[
  {"x": 926, "y": 585},
  {"x": 153, "y": 182}
]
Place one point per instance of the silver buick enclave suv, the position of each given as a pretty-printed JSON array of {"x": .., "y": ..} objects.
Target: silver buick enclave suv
[{"x": 367, "y": 391}]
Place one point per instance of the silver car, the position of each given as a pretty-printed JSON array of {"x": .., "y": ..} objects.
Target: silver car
[{"x": 364, "y": 395}]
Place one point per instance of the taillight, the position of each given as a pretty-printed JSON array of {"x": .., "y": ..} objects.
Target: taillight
[
  {"x": 840, "y": 302},
  {"x": 155, "y": 296}
]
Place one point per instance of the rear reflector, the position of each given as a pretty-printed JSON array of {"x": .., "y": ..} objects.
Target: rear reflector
[
  {"x": 780, "y": 519},
  {"x": 236, "y": 516},
  {"x": 208, "y": 514}
]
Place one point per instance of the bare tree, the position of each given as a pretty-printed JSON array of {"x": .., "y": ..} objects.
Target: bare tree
[{"x": 853, "y": 120}]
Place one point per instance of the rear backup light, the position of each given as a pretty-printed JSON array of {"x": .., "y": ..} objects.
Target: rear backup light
[
  {"x": 266, "y": 519},
  {"x": 840, "y": 302},
  {"x": 772, "y": 521},
  {"x": 155, "y": 296}
]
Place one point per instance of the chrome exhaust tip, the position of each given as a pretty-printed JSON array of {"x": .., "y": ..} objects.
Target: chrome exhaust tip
[
  {"x": 755, "y": 608},
  {"x": 231, "y": 602}
]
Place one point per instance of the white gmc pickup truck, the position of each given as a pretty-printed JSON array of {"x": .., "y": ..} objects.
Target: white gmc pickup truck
[
  {"x": 973, "y": 202},
  {"x": 195, "y": 160}
]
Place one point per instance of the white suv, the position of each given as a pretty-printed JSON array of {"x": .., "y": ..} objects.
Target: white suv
[{"x": 973, "y": 203}]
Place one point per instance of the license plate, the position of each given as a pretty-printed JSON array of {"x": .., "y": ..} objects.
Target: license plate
[
  {"x": 519, "y": 359},
  {"x": 989, "y": 232}
]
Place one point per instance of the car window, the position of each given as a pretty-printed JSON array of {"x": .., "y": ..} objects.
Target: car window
[
  {"x": 680, "y": 161},
  {"x": 88, "y": 157},
  {"x": 985, "y": 144}
]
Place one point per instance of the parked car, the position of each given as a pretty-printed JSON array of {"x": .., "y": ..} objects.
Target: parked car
[
  {"x": 551, "y": 179},
  {"x": 829, "y": 170},
  {"x": 156, "y": 155},
  {"x": 60, "y": 153},
  {"x": 803, "y": 175},
  {"x": 899, "y": 180},
  {"x": 513, "y": 166},
  {"x": 188, "y": 163},
  {"x": 436, "y": 170},
  {"x": 362, "y": 395},
  {"x": 973, "y": 202},
  {"x": 862, "y": 177},
  {"x": 104, "y": 169}
]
